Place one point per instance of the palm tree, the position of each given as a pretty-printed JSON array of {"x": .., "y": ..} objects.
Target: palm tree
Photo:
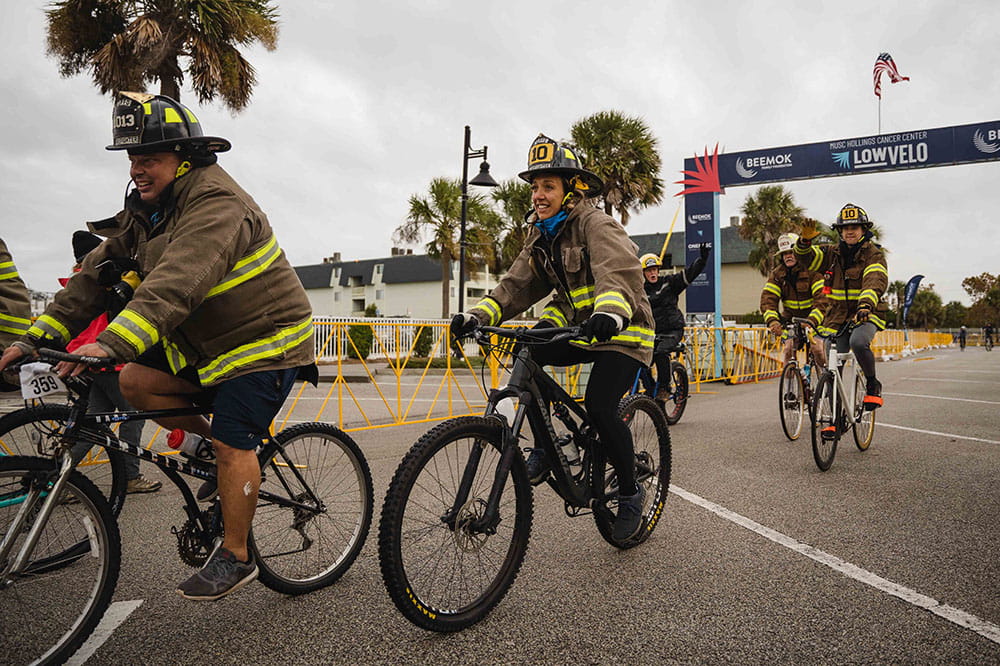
[
  {"x": 622, "y": 151},
  {"x": 767, "y": 214},
  {"x": 128, "y": 44},
  {"x": 514, "y": 198},
  {"x": 440, "y": 215}
]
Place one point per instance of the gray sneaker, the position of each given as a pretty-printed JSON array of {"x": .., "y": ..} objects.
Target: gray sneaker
[
  {"x": 141, "y": 484},
  {"x": 222, "y": 574},
  {"x": 537, "y": 465},
  {"x": 629, "y": 520}
]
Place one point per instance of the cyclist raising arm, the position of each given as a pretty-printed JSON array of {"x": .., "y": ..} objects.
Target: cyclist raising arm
[
  {"x": 589, "y": 260},
  {"x": 219, "y": 313},
  {"x": 800, "y": 291},
  {"x": 856, "y": 277}
]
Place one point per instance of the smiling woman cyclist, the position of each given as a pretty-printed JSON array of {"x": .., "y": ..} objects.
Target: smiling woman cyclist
[{"x": 589, "y": 260}]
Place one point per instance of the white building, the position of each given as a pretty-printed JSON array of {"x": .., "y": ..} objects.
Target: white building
[{"x": 409, "y": 285}]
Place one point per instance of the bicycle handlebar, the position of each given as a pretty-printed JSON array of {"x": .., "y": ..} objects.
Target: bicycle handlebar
[
  {"x": 92, "y": 361},
  {"x": 529, "y": 335}
]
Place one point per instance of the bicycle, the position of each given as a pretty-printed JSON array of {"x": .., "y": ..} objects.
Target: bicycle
[
  {"x": 60, "y": 552},
  {"x": 795, "y": 388},
  {"x": 457, "y": 515},
  {"x": 673, "y": 406},
  {"x": 830, "y": 418}
]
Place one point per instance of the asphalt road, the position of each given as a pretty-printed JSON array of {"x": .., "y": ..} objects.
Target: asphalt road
[{"x": 891, "y": 556}]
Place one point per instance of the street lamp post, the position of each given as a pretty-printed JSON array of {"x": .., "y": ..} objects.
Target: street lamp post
[{"x": 484, "y": 179}]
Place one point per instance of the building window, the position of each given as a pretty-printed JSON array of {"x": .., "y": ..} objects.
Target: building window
[
  {"x": 379, "y": 294},
  {"x": 378, "y": 269},
  {"x": 474, "y": 292},
  {"x": 358, "y": 305},
  {"x": 355, "y": 281},
  {"x": 453, "y": 292},
  {"x": 336, "y": 297}
]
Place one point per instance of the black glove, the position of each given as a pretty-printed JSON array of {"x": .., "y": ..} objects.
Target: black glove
[
  {"x": 861, "y": 316},
  {"x": 600, "y": 326},
  {"x": 463, "y": 324},
  {"x": 704, "y": 250}
]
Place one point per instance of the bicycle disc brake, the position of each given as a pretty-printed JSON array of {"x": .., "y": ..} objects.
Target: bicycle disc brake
[{"x": 466, "y": 536}]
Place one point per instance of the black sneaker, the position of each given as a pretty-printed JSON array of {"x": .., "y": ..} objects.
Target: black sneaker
[
  {"x": 629, "y": 520},
  {"x": 222, "y": 574},
  {"x": 873, "y": 394},
  {"x": 207, "y": 491},
  {"x": 538, "y": 466}
]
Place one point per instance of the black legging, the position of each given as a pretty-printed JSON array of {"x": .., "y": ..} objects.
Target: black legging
[
  {"x": 610, "y": 377},
  {"x": 859, "y": 340}
]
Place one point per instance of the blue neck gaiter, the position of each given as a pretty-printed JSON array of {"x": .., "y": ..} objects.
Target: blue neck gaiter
[{"x": 550, "y": 227}]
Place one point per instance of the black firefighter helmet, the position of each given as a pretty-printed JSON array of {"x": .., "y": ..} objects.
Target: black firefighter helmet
[
  {"x": 851, "y": 214},
  {"x": 145, "y": 123},
  {"x": 547, "y": 156}
]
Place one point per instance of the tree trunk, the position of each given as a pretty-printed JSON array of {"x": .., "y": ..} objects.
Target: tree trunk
[{"x": 445, "y": 282}]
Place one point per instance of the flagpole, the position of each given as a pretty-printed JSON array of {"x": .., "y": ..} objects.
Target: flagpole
[
  {"x": 879, "y": 114},
  {"x": 670, "y": 233}
]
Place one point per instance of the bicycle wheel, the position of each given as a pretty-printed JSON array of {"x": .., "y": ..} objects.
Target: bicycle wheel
[
  {"x": 651, "y": 442},
  {"x": 22, "y": 430},
  {"x": 54, "y": 604},
  {"x": 791, "y": 401},
  {"x": 674, "y": 406},
  {"x": 863, "y": 428},
  {"x": 825, "y": 426},
  {"x": 442, "y": 572},
  {"x": 299, "y": 550}
]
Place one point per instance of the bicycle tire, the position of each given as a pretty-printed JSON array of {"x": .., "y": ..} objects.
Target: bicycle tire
[
  {"x": 651, "y": 441},
  {"x": 20, "y": 429},
  {"x": 824, "y": 416},
  {"x": 674, "y": 407},
  {"x": 48, "y": 622},
  {"x": 299, "y": 551},
  {"x": 791, "y": 401},
  {"x": 864, "y": 428},
  {"x": 440, "y": 574}
]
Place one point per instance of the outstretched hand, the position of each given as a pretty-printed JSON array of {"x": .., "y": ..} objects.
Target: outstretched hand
[{"x": 704, "y": 251}]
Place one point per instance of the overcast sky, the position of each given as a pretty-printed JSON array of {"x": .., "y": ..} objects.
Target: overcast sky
[{"x": 363, "y": 103}]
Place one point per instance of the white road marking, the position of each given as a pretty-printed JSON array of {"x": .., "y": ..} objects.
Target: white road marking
[
  {"x": 949, "y": 380},
  {"x": 957, "y": 616},
  {"x": 941, "y": 397},
  {"x": 939, "y": 434},
  {"x": 117, "y": 613}
]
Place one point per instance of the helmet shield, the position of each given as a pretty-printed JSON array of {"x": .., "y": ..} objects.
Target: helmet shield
[
  {"x": 649, "y": 260},
  {"x": 786, "y": 243},
  {"x": 144, "y": 123},
  {"x": 547, "y": 156}
]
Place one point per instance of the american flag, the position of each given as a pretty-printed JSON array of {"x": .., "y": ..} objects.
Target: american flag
[{"x": 885, "y": 64}]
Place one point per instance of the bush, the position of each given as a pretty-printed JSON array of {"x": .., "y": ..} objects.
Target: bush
[
  {"x": 424, "y": 340},
  {"x": 362, "y": 337}
]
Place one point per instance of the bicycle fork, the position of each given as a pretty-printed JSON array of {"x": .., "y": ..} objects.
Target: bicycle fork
[{"x": 34, "y": 494}]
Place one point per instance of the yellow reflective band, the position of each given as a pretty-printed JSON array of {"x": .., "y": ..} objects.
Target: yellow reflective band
[
  {"x": 148, "y": 108},
  {"x": 875, "y": 268},
  {"x": 555, "y": 314},
  {"x": 824, "y": 330},
  {"x": 636, "y": 334},
  {"x": 816, "y": 316},
  {"x": 878, "y": 321},
  {"x": 191, "y": 118},
  {"x": 175, "y": 359},
  {"x": 491, "y": 308},
  {"x": 248, "y": 267},
  {"x": 7, "y": 270},
  {"x": 817, "y": 286},
  {"x": 772, "y": 288},
  {"x": 135, "y": 330},
  {"x": 49, "y": 327},
  {"x": 275, "y": 345},
  {"x": 582, "y": 296},
  {"x": 15, "y": 325},
  {"x": 869, "y": 293},
  {"x": 799, "y": 305},
  {"x": 844, "y": 294},
  {"x": 770, "y": 314},
  {"x": 170, "y": 115},
  {"x": 613, "y": 298}
]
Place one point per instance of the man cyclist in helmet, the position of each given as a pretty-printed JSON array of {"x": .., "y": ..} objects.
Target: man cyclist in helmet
[
  {"x": 219, "y": 313},
  {"x": 800, "y": 291},
  {"x": 856, "y": 278},
  {"x": 663, "y": 294},
  {"x": 988, "y": 334},
  {"x": 589, "y": 260}
]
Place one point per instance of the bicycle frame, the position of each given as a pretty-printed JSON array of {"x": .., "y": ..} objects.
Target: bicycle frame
[
  {"x": 845, "y": 362},
  {"x": 526, "y": 385}
]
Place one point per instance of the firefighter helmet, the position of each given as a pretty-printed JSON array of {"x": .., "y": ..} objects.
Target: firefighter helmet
[
  {"x": 786, "y": 243},
  {"x": 145, "y": 123},
  {"x": 851, "y": 214},
  {"x": 649, "y": 260},
  {"x": 547, "y": 156}
]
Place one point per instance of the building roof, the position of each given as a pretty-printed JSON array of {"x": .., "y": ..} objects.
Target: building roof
[{"x": 406, "y": 268}]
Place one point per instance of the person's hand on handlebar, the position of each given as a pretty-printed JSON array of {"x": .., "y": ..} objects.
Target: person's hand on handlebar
[
  {"x": 68, "y": 369},
  {"x": 463, "y": 324},
  {"x": 600, "y": 326},
  {"x": 774, "y": 327}
]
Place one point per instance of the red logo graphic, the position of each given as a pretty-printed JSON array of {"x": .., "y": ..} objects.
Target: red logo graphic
[{"x": 705, "y": 177}]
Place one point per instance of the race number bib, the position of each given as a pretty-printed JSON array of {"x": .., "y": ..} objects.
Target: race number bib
[{"x": 38, "y": 380}]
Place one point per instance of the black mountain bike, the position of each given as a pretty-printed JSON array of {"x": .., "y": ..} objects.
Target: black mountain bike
[
  {"x": 457, "y": 515},
  {"x": 60, "y": 550},
  {"x": 797, "y": 383},
  {"x": 675, "y": 403}
]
